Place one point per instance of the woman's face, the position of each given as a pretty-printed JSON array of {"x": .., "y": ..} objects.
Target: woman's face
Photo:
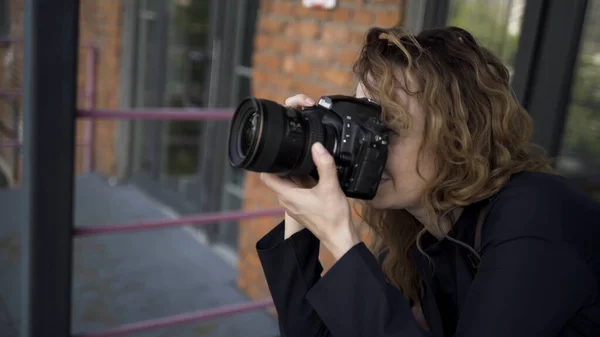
[{"x": 401, "y": 185}]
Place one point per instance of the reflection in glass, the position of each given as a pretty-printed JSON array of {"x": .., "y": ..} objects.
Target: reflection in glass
[
  {"x": 187, "y": 71},
  {"x": 580, "y": 149},
  {"x": 496, "y": 24}
]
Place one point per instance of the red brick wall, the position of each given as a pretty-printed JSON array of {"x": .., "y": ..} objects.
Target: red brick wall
[
  {"x": 100, "y": 24},
  {"x": 300, "y": 50}
]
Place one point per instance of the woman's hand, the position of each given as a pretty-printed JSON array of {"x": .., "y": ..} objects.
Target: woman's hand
[
  {"x": 323, "y": 208},
  {"x": 292, "y": 226}
]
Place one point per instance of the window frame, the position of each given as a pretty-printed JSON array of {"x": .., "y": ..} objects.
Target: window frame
[
  {"x": 544, "y": 68},
  {"x": 4, "y": 18}
]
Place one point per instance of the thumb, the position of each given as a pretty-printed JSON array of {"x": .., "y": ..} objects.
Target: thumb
[{"x": 325, "y": 165}]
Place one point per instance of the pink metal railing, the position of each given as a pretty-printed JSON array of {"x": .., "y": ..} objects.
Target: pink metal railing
[
  {"x": 90, "y": 114},
  {"x": 88, "y": 141},
  {"x": 164, "y": 114},
  {"x": 15, "y": 144},
  {"x": 202, "y": 219},
  {"x": 181, "y": 319}
]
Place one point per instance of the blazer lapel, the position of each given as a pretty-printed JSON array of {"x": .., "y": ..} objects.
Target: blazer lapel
[
  {"x": 464, "y": 276},
  {"x": 431, "y": 312}
]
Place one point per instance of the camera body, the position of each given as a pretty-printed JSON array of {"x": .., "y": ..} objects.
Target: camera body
[
  {"x": 357, "y": 140},
  {"x": 265, "y": 136}
]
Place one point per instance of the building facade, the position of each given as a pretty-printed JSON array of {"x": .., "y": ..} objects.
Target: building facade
[
  {"x": 210, "y": 54},
  {"x": 100, "y": 33}
]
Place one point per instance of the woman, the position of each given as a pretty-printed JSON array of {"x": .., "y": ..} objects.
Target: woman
[{"x": 476, "y": 236}]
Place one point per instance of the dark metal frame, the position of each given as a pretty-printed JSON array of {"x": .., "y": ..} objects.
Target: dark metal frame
[
  {"x": 436, "y": 13},
  {"x": 545, "y": 61},
  {"x": 545, "y": 65},
  {"x": 51, "y": 45},
  {"x": 157, "y": 129},
  {"x": 129, "y": 57},
  {"x": 4, "y": 18}
]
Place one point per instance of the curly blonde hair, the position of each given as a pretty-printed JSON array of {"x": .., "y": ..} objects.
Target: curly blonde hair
[{"x": 477, "y": 131}]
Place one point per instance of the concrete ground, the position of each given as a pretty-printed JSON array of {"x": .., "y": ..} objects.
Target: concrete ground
[{"x": 124, "y": 278}]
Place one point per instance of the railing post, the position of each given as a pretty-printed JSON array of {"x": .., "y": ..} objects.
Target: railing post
[
  {"x": 89, "y": 125},
  {"x": 49, "y": 101}
]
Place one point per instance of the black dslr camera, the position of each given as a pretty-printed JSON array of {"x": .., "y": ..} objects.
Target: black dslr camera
[{"x": 267, "y": 137}]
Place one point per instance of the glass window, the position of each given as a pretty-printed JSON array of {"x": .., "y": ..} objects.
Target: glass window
[
  {"x": 188, "y": 66},
  {"x": 496, "y": 24},
  {"x": 579, "y": 157},
  {"x": 233, "y": 187},
  {"x": 172, "y": 36}
]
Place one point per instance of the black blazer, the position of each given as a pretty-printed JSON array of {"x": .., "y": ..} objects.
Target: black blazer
[{"x": 539, "y": 274}]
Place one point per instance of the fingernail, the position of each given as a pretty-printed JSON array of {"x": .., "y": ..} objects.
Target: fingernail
[
  {"x": 309, "y": 100},
  {"x": 320, "y": 148}
]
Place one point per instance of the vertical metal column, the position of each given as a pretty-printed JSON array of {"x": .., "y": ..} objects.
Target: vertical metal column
[
  {"x": 4, "y": 18},
  {"x": 545, "y": 64},
  {"x": 435, "y": 13},
  {"x": 49, "y": 101}
]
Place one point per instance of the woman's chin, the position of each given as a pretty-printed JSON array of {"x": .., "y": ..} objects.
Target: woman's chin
[
  {"x": 374, "y": 203},
  {"x": 381, "y": 199}
]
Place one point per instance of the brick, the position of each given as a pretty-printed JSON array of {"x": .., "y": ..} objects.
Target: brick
[
  {"x": 357, "y": 37},
  {"x": 262, "y": 42},
  {"x": 266, "y": 93},
  {"x": 351, "y": 2},
  {"x": 282, "y": 8},
  {"x": 312, "y": 89},
  {"x": 299, "y": 67},
  {"x": 259, "y": 76},
  {"x": 321, "y": 52},
  {"x": 270, "y": 24},
  {"x": 388, "y": 2},
  {"x": 347, "y": 57},
  {"x": 266, "y": 60},
  {"x": 305, "y": 68},
  {"x": 363, "y": 17},
  {"x": 266, "y": 6},
  {"x": 387, "y": 18},
  {"x": 341, "y": 78},
  {"x": 333, "y": 32},
  {"x": 283, "y": 45},
  {"x": 341, "y": 14},
  {"x": 306, "y": 29},
  {"x": 314, "y": 13}
]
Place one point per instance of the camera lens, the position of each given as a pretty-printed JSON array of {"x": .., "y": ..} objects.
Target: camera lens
[
  {"x": 265, "y": 136},
  {"x": 249, "y": 133}
]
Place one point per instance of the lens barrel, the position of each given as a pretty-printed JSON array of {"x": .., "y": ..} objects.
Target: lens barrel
[{"x": 265, "y": 136}]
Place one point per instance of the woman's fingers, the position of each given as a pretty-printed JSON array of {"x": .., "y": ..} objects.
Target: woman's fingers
[
  {"x": 299, "y": 101},
  {"x": 303, "y": 181}
]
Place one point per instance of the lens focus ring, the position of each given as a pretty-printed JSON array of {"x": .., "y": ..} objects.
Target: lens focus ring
[{"x": 315, "y": 134}]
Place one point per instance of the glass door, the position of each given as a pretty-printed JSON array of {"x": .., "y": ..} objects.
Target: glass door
[
  {"x": 191, "y": 54},
  {"x": 173, "y": 43},
  {"x": 579, "y": 157},
  {"x": 558, "y": 71}
]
